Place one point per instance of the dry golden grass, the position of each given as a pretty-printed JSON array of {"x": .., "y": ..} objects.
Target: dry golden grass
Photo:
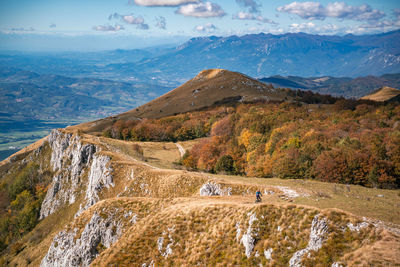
[
  {"x": 202, "y": 231},
  {"x": 205, "y": 227},
  {"x": 359, "y": 200},
  {"x": 383, "y": 94},
  {"x": 206, "y": 89}
]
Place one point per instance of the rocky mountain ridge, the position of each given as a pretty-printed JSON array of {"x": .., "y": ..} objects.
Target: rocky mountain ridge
[{"x": 125, "y": 211}]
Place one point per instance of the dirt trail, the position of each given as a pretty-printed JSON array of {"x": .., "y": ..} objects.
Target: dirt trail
[{"x": 181, "y": 149}]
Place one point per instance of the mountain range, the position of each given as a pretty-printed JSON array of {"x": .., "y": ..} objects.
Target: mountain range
[
  {"x": 261, "y": 55},
  {"x": 336, "y": 86},
  {"x": 257, "y": 55}
]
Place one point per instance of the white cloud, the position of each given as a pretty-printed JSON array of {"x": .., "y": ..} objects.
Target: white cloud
[
  {"x": 131, "y": 19},
  {"x": 161, "y": 22},
  {"x": 251, "y": 4},
  {"x": 207, "y": 28},
  {"x": 108, "y": 28},
  {"x": 251, "y": 16},
  {"x": 201, "y": 10},
  {"x": 383, "y": 25},
  {"x": 163, "y": 2},
  {"x": 340, "y": 10}
]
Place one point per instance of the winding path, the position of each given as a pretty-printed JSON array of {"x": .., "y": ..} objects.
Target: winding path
[{"x": 181, "y": 149}]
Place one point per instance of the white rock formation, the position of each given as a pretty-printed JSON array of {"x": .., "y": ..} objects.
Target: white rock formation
[
  {"x": 211, "y": 189},
  {"x": 59, "y": 142},
  {"x": 357, "y": 227},
  {"x": 248, "y": 239},
  {"x": 268, "y": 253},
  {"x": 290, "y": 193},
  {"x": 319, "y": 230},
  {"x": 68, "y": 250},
  {"x": 214, "y": 189},
  {"x": 99, "y": 177},
  {"x": 69, "y": 159},
  {"x": 160, "y": 243}
]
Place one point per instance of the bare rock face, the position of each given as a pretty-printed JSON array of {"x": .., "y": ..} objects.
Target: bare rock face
[
  {"x": 319, "y": 231},
  {"x": 70, "y": 159},
  {"x": 99, "y": 177},
  {"x": 68, "y": 250}
]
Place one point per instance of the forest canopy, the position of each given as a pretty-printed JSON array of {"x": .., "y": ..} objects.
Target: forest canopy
[{"x": 350, "y": 141}]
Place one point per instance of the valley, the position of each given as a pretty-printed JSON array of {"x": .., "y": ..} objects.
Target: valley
[{"x": 73, "y": 87}]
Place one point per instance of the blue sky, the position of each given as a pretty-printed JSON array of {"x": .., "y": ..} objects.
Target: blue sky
[{"x": 146, "y": 22}]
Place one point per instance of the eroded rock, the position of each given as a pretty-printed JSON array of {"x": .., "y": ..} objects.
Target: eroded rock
[
  {"x": 248, "y": 238},
  {"x": 69, "y": 158},
  {"x": 68, "y": 250},
  {"x": 319, "y": 231}
]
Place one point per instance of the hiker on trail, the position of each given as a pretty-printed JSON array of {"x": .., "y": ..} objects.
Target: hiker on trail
[{"x": 258, "y": 196}]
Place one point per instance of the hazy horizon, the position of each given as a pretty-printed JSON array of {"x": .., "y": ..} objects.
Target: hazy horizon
[{"x": 46, "y": 25}]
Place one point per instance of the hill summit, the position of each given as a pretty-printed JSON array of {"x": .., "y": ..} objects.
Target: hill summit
[
  {"x": 384, "y": 94},
  {"x": 210, "y": 87}
]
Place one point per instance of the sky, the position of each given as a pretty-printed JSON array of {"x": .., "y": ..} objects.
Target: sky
[{"x": 110, "y": 24}]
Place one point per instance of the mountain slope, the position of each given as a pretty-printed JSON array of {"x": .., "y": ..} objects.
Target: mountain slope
[
  {"x": 85, "y": 199},
  {"x": 106, "y": 206},
  {"x": 383, "y": 94},
  {"x": 209, "y": 87}
]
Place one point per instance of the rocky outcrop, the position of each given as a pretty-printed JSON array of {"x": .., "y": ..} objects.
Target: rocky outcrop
[
  {"x": 68, "y": 249},
  {"x": 248, "y": 238},
  {"x": 70, "y": 159},
  {"x": 319, "y": 231},
  {"x": 160, "y": 242},
  {"x": 214, "y": 189},
  {"x": 358, "y": 226},
  {"x": 268, "y": 253},
  {"x": 99, "y": 177}
]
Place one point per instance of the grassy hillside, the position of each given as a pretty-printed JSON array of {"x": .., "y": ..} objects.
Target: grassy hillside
[
  {"x": 209, "y": 88},
  {"x": 166, "y": 189},
  {"x": 383, "y": 94},
  {"x": 157, "y": 215}
]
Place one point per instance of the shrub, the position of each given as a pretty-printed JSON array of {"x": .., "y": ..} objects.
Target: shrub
[{"x": 225, "y": 164}]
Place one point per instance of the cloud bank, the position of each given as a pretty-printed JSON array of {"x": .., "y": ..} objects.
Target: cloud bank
[
  {"x": 207, "y": 28},
  {"x": 108, "y": 28},
  {"x": 251, "y": 16},
  {"x": 251, "y": 4},
  {"x": 201, "y": 10},
  {"x": 138, "y": 21},
  {"x": 340, "y": 10}
]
